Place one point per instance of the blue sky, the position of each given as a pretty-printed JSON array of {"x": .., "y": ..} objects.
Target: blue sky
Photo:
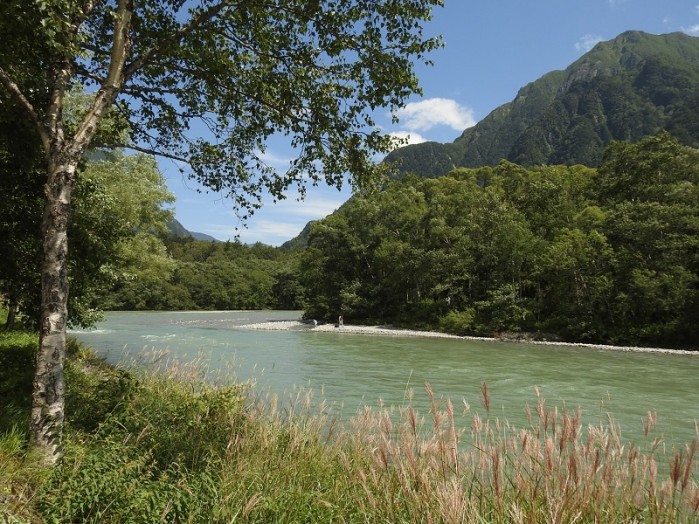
[{"x": 492, "y": 48}]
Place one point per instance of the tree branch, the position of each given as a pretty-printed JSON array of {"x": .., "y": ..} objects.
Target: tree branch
[
  {"x": 115, "y": 75},
  {"x": 194, "y": 23},
  {"x": 16, "y": 93},
  {"x": 153, "y": 152}
]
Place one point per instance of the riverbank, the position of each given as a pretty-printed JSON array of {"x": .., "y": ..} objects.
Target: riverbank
[
  {"x": 169, "y": 446},
  {"x": 354, "y": 329}
]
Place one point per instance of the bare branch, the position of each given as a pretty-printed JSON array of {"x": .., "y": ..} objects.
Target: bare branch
[
  {"x": 89, "y": 74},
  {"x": 154, "y": 152}
]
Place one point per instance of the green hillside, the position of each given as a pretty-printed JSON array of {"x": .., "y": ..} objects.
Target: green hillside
[{"x": 624, "y": 89}]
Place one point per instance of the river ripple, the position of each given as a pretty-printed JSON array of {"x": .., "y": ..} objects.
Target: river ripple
[{"x": 354, "y": 370}]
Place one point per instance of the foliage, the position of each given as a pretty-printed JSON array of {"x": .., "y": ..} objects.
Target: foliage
[
  {"x": 16, "y": 369},
  {"x": 115, "y": 196},
  {"x": 650, "y": 193},
  {"x": 207, "y": 83},
  {"x": 118, "y": 215},
  {"x": 605, "y": 255},
  {"x": 212, "y": 275},
  {"x": 21, "y": 187},
  {"x": 117, "y": 211}
]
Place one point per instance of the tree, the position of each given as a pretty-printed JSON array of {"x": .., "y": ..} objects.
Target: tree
[
  {"x": 118, "y": 214},
  {"x": 649, "y": 192},
  {"x": 206, "y": 82},
  {"x": 20, "y": 213},
  {"x": 117, "y": 210}
]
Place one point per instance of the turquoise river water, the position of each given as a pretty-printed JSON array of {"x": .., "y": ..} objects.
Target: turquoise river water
[{"x": 351, "y": 371}]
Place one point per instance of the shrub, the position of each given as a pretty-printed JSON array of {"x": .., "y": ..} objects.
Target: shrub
[
  {"x": 458, "y": 322},
  {"x": 114, "y": 481}
]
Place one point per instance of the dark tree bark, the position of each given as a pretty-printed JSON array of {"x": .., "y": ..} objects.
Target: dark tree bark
[{"x": 11, "y": 314}]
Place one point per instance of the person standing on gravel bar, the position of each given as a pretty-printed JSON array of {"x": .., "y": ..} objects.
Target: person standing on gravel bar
[{"x": 340, "y": 321}]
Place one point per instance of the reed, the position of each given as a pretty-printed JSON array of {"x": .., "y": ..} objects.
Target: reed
[
  {"x": 168, "y": 445},
  {"x": 552, "y": 471}
]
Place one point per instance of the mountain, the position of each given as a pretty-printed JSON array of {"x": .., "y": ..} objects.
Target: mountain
[
  {"x": 300, "y": 240},
  {"x": 177, "y": 230},
  {"x": 624, "y": 89}
]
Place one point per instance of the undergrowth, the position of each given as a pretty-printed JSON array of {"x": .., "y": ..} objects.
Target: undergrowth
[{"x": 160, "y": 444}]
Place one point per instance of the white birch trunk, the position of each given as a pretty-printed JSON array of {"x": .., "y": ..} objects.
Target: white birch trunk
[{"x": 48, "y": 397}]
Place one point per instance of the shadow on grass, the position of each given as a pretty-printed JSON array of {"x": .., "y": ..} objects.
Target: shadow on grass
[{"x": 17, "y": 358}]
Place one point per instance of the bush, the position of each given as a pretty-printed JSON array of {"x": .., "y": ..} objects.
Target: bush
[
  {"x": 458, "y": 322},
  {"x": 114, "y": 481},
  {"x": 151, "y": 452}
]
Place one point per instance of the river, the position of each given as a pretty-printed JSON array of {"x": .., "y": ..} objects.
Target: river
[{"x": 350, "y": 371}]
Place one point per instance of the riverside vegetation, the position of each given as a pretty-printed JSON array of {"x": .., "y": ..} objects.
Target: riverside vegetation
[
  {"x": 605, "y": 255},
  {"x": 593, "y": 255},
  {"x": 156, "y": 443}
]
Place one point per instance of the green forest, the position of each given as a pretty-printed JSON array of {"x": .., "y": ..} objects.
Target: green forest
[
  {"x": 606, "y": 255},
  {"x": 215, "y": 275},
  {"x": 521, "y": 247},
  {"x": 601, "y": 255}
]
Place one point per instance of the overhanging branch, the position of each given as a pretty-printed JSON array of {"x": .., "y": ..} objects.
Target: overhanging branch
[
  {"x": 194, "y": 23},
  {"x": 154, "y": 152},
  {"x": 17, "y": 95}
]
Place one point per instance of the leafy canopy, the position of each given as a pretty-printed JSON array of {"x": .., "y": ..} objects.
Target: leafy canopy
[{"x": 209, "y": 82}]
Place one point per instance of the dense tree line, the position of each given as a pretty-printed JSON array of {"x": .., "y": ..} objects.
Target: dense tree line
[
  {"x": 607, "y": 254},
  {"x": 212, "y": 275},
  {"x": 604, "y": 255}
]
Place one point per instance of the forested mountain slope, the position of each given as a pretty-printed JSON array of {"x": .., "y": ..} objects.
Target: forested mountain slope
[{"x": 624, "y": 89}]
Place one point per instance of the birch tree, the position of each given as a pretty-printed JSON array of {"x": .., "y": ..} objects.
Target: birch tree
[{"x": 206, "y": 83}]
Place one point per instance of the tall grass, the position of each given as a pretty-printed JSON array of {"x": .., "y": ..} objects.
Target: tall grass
[
  {"x": 164, "y": 445},
  {"x": 551, "y": 471}
]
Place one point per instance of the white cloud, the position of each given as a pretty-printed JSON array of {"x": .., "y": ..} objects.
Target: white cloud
[
  {"x": 587, "y": 42},
  {"x": 426, "y": 114},
  {"x": 275, "y": 223},
  {"x": 270, "y": 231},
  {"x": 274, "y": 160},
  {"x": 309, "y": 209},
  {"x": 692, "y": 30},
  {"x": 409, "y": 137}
]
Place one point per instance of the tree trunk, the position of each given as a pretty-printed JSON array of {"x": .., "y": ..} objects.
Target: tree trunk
[
  {"x": 48, "y": 397},
  {"x": 11, "y": 313}
]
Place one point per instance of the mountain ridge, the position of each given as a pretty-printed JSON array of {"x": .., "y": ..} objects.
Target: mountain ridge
[
  {"x": 177, "y": 230},
  {"x": 626, "y": 88}
]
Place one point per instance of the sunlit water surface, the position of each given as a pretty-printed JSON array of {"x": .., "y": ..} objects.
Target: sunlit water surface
[{"x": 350, "y": 371}]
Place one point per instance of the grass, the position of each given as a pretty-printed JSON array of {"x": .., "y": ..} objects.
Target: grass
[{"x": 159, "y": 444}]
